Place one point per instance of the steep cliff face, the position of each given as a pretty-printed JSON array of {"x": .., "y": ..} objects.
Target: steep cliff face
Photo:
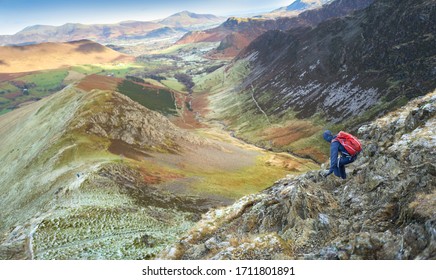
[
  {"x": 384, "y": 210},
  {"x": 345, "y": 66}
]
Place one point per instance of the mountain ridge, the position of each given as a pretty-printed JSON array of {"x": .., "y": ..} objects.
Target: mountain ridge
[{"x": 105, "y": 33}]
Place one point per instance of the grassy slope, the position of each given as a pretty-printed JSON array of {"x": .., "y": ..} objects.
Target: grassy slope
[
  {"x": 174, "y": 84},
  {"x": 38, "y": 84},
  {"x": 119, "y": 70},
  {"x": 160, "y": 100},
  {"x": 232, "y": 170}
]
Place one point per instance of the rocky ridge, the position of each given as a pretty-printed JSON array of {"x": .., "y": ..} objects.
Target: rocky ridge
[{"x": 384, "y": 210}]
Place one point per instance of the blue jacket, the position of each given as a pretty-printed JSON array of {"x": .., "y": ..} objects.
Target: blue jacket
[{"x": 336, "y": 163}]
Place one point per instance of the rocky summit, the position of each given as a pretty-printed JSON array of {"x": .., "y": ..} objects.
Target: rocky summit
[{"x": 385, "y": 209}]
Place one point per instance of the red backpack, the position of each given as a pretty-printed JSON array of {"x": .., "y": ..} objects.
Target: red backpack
[{"x": 350, "y": 143}]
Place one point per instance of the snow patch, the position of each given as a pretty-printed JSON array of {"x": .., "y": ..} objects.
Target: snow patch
[
  {"x": 313, "y": 66},
  {"x": 252, "y": 56},
  {"x": 349, "y": 99}
]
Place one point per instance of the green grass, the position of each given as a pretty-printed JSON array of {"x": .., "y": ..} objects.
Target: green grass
[
  {"x": 4, "y": 111},
  {"x": 153, "y": 82},
  {"x": 118, "y": 70},
  {"x": 3, "y": 100},
  {"x": 87, "y": 69},
  {"x": 46, "y": 82},
  {"x": 174, "y": 84},
  {"x": 179, "y": 48},
  {"x": 171, "y": 50},
  {"x": 155, "y": 99},
  {"x": 221, "y": 79},
  {"x": 39, "y": 85},
  {"x": 6, "y": 87},
  {"x": 87, "y": 148}
]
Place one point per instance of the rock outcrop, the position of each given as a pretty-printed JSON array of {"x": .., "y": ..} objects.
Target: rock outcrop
[{"x": 386, "y": 209}]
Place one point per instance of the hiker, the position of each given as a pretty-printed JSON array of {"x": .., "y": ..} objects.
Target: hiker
[{"x": 344, "y": 149}]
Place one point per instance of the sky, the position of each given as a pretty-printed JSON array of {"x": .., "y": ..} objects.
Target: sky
[{"x": 18, "y": 14}]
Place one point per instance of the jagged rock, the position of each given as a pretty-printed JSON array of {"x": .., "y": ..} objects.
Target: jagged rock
[{"x": 384, "y": 210}]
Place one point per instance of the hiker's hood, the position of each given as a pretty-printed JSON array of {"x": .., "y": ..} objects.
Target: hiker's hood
[{"x": 328, "y": 136}]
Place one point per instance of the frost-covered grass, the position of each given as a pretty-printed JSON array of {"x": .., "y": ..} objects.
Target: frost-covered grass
[{"x": 117, "y": 230}]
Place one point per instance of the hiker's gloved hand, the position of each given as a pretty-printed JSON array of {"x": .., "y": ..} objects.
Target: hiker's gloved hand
[{"x": 325, "y": 173}]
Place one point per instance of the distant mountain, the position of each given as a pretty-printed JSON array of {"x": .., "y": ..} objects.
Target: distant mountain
[
  {"x": 190, "y": 20},
  {"x": 106, "y": 33},
  {"x": 101, "y": 33},
  {"x": 165, "y": 32},
  {"x": 295, "y": 8},
  {"x": 304, "y": 4},
  {"x": 56, "y": 55},
  {"x": 237, "y": 33},
  {"x": 232, "y": 24}
]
